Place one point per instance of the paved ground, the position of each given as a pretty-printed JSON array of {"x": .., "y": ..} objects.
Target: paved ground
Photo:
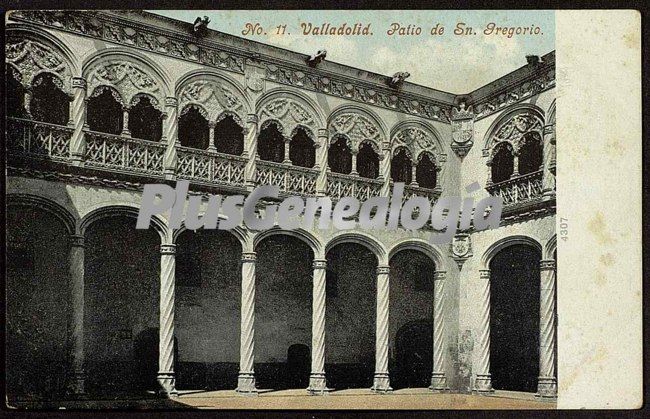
[{"x": 297, "y": 399}]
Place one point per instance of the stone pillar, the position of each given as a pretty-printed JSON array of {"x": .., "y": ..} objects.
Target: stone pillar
[
  {"x": 322, "y": 164},
  {"x": 483, "y": 383},
  {"x": 382, "y": 380},
  {"x": 171, "y": 138},
  {"x": 287, "y": 148},
  {"x": 548, "y": 167},
  {"x": 28, "y": 102},
  {"x": 317, "y": 382},
  {"x": 355, "y": 153},
  {"x": 166, "y": 375},
  {"x": 246, "y": 379},
  {"x": 547, "y": 381},
  {"x": 211, "y": 139},
  {"x": 76, "y": 266},
  {"x": 78, "y": 121},
  {"x": 414, "y": 169},
  {"x": 438, "y": 376},
  {"x": 250, "y": 149},
  {"x": 384, "y": 170},
  {"x": 125, "y": 122},
  {"x": 515, "y": 165},
  {"x": 488, "y": 182}
]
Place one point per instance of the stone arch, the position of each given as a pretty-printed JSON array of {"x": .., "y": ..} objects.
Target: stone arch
[
  {"x": 505, "y": 242},
  {"x": 213, "y": 92},
  {"x": 130, "y": 73},
  {"x": 512, "y": 125},
  {"x": 363, "y": 239},
  {"x": 303, "y": 235},
  {"x": 69, "y": 220},
  {"x": 291, "y": 110},
  {"x": 423, "y": 246},
  {"x": 418, "y": 137},
  {"x": 129, "y": 210},
  {"x": 238, "y": 232},
  {"x": 550, "y": 114},
  {"x": 31, "y": 51},
  {"x": 549, "y": 248},
  {"x": 357, "y": 124}
]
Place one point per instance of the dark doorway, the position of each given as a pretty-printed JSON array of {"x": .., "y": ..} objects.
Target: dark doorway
[
  {"x": 298, "y": 366},
  {"x": 414, "y": 355},
  {"x": 514, "y": 319},
  {"x": 339, "y": 156},
  {"x": 104, "y": 112}
]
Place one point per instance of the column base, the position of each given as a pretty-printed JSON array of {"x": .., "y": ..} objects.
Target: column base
[
  {"x": 167, "y": 383},
  {"x": 169, "y": 174},
  {"x": 438, "y": 383},
  {"x": 77, "y": 385},
  {"x": 483, "y": 383},
  {"x": 250, "y": 185},
  {"x": 246, "y": 384},
  {"x": 381, "y": 383},
  {"x": 546, "y": 387},
  {"x": 77, "y": 160},
  {"x": 318, "y": 384}
]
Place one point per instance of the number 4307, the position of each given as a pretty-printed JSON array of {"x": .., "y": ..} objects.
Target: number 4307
[{"x": 564, "y": 229}]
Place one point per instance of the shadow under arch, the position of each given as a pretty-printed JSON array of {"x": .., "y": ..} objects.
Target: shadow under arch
[
  {"x": 69, "y": 220},
  {"x": 128, "y": 210},
  {"x": 505, "y": 242},
  {"x": 422, "y": 246},
  {"x": 363, "y": 239},
  {"x": 303, "y": 235}
]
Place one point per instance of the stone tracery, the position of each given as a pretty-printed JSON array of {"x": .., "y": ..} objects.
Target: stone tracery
[{"x": 30, "y": 58}]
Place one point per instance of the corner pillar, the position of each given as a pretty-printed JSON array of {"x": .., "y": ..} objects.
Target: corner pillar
[
  {"x": 483, "y": 382},
  {"x": 547, "y": 381}
]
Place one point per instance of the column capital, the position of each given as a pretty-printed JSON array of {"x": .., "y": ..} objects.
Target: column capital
[
  {"x": 439, "y": 275},
  {"x": 547, "y": 265},
  {"x": 383, "y": 270},
  {"x": 248, "y": 257},
  {"x": 171, "y": 102},
  {"x": 252, "y": 118},
  {"x": 319, "y": 264},
  {"x": 484, "y": 274},
  {"x": 323, "y": 133},
  {"x": 77, "y": 240},
  {"x": 79, "y": 83},
  {"x": 167, "y": 249}
]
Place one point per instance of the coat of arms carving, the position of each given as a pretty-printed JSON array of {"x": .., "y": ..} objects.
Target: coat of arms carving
[
  {"x": 255, "y": 78},
  {"x": 462, "y": 128},
  {"x": 461, "y": 248}
]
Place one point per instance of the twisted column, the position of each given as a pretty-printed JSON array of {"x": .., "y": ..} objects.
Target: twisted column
[
  {"x": 166, "y": 375},
  {"x": 317, "y": 382},
  {"x": 171, "y": 137},
  {"x": 76, "y": 269},
  {"x": 483, "y": 383},
  {"x": 384, "y": 170},
  {"x": 321, "y": 161},
  {"x": 125, "y": 122},
  {"x": 547, "y": 381},
  {"x": 382, "y": 380},
  {"x": 78, "y": 120},
  {"x": 438, "y": 377},
  {"x": 250, "y": 149},
  {"x": 246, "y": 379},
  {"x": 548, "y": 178}
]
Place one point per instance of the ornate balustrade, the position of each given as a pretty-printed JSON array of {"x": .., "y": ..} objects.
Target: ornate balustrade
[
  {"x": 411, "y": 191},
  {"x": 290, "y": 179},
  {"x": 38, "y": 139},
  {"x": 340, "y": 185},
  {"x": 123, "y": 153},
  {"x": 210, "y": 167},
  {"x": 518, "y": 190}
]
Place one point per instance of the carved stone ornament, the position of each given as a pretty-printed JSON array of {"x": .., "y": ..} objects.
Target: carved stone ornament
[
  {"x": 357, "y": 128},
  {"x": 462, "y": 130},
  {"x": 127, "y": 79},
  {"x": 513, "y": 130},
  {"x": 416, "y": 140},
  {"x": 213, "y": 97},
  {"x": 255, "y": 78},
  {"x": 461, "y": 248},
  {"x": 30, "y": 59},
  {"x": 290, "y": 114}
]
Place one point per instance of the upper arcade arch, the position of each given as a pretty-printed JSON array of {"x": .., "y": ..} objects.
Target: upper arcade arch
[
  {"x": 31, "y": 52},
  {"x": 513, "y": 126},
  {"x": 418, "y": 137},
  {"x": 357, "y": 125},
  {"x": 215, "y": 94},
  {"x": 131, "y": 74},
  {"x": 290, "y": 110}
]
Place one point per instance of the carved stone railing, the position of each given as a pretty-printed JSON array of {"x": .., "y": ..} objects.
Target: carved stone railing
[
  {"x": 38, "y": 139},
  {"x": 290, "y": 179},
  {"x": 340, "y": 185},
  {"x": 123, "y": 153},
  {"x": 210, "y": 167},
  {"x": 411, "y": 191},
  {"x": 518, "y": 190}
]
